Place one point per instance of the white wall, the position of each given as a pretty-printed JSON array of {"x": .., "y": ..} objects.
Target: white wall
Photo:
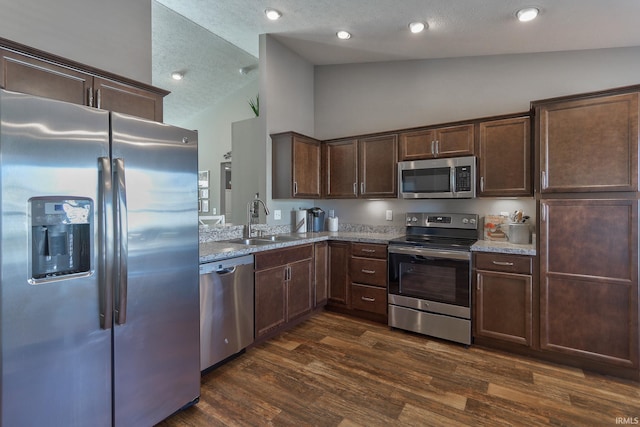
[
  {"x": 361, "y": 98},
  {"x": 214, "y": 134},
  {"x": 113, "y": 35}
]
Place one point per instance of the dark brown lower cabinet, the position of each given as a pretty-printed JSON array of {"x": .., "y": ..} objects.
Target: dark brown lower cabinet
[
  {"x": 503, "y": 298},
  {"x": 589, "y": 280},
  {"x": 338, "y": 275},
  {"x": 283, "y": 287},
  {"x": 358, "y": 280},
  {"x": 320, "y": 258}
]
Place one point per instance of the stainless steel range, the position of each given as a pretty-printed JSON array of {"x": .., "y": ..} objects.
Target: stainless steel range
[{"x": 430, "y": 275}]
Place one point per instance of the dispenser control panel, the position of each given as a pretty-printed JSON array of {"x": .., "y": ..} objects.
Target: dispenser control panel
[{"x": 61, "y": 234}]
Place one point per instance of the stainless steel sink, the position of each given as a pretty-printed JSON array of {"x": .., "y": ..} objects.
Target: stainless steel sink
[
  {"x": 279, "y": 238},
  {"x": 250, "y": 241},
  {"x": 264, "y": 240}
]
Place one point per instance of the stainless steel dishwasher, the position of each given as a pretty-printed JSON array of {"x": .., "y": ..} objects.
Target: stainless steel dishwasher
[{"x": 226, "y": 309}]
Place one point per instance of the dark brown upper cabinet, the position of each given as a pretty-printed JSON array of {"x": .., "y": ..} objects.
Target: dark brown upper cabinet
[
  {"x": 450, "y": 141},
  {"x": 296, "y": 165},
  {"x": 37, "y": 73},
  {"x": 588, "y": 144},
  {"x": 504, "y": 157},
  {"x": 364, "y": 167}
]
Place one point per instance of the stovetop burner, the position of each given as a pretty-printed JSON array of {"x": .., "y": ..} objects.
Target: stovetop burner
[{"x": 440, "y": 231}]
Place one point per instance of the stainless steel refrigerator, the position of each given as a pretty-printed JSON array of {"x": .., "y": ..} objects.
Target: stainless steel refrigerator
[{"x": 99, "y": 305}]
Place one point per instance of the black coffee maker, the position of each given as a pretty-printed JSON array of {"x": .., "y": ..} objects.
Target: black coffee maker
[{"x": 315, "y": 219}]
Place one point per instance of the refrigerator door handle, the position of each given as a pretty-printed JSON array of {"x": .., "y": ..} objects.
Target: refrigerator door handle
[
  {"x": 105, "y": 256},
  {"x": 121, "y": 242}
]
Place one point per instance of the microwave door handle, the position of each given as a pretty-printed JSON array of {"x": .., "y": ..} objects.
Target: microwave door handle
[{"x": 452, "y": 178}]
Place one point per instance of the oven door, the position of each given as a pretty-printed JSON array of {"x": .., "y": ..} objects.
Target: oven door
[{"x": 430, "y": 280}]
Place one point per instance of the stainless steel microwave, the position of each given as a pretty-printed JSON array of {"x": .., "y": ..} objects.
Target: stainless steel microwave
[{"x": 448, "y": 178}]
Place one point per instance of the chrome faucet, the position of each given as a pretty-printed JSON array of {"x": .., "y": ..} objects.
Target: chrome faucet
[{"x": 250, "y": 211}]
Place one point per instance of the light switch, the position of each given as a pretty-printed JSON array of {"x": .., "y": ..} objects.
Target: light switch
[{"x": 389, "y": 215}]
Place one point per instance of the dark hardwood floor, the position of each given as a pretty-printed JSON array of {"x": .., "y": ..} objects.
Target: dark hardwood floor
[{"x": 334, "y": 370}]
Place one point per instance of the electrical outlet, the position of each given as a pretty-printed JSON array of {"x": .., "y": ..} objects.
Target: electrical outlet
[
  {"x": 277, "y": 214},
  {"x": 389, "y": 215},
  {"x": 213, "y": 211}
]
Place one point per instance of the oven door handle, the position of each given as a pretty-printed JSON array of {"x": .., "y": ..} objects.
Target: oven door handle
[{"x": 430, "y": 253}]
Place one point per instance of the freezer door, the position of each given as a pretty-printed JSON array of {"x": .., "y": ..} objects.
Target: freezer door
[
  {"x": 156, "y": 331},
  {"x": 56, "y": 358}
]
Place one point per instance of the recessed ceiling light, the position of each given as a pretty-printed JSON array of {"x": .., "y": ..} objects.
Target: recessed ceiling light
[
  {"x": 417, "y": 27},
  {"x": 343, "y": 35},
  {"x": 246, "y": 70},
  {"x": 272, "y": 14},
  {"x": 527, "y": 14},
  {"x": 177, "y": 75}
]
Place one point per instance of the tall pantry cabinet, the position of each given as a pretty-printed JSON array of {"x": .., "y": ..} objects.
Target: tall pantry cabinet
[{"x": 587, "y": 162}]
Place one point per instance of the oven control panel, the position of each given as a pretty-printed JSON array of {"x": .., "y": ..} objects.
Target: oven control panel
[{"x": 439, "y": 220}]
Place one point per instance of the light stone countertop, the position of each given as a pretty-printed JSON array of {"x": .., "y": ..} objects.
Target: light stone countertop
[
  {"x": 504, "y": 248},
  {"x": 219, "y": 250}
]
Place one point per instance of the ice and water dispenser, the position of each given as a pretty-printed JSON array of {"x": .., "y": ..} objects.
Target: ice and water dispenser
[{"x": 61, "y": 233}]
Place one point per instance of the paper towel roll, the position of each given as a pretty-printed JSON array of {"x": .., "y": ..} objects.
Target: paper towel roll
[
  {"x": 300, "y": 225},
  {"x": 332, "y": 224}
]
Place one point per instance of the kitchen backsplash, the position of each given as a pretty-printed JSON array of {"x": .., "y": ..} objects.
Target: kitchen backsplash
[{"x": 226, "y": 232}]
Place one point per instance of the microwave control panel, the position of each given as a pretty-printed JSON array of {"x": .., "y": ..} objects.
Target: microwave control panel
[{"x": 463, "y": 178}]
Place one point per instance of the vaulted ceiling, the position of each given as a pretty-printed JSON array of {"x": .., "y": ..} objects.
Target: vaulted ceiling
[{"x": 211, "y": 39}]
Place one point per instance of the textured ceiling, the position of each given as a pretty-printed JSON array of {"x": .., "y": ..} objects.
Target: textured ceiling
[
  {"x": 209, "y": 63},
  {"x": 379, "y": 27}
]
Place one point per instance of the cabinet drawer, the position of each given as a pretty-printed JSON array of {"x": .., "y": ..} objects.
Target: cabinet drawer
[
  {"x": 369, "y": 298},
  {"x": 278, "y": 257},
  {"x": 502, "y": 262},
  {"x": 369, "y": 271},
  {"x": 369, "y": 250}
]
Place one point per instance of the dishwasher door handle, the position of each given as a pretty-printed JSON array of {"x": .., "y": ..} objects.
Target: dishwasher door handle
[{"x": 225, "y": 271}]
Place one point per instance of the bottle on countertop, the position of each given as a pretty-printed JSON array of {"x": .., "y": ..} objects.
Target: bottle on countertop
[{"x": 332, "y": 221}]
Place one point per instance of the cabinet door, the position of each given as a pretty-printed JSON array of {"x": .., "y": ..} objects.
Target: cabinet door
[
  {"x": 299, "y": 286},
  {"x": 115, "y": 96},
  {"x": 377, "y": 157},
  {"x": 589, "y": 144},
  {"x": 454, "y": 141},
  {"x": 505, "y": 157},
  {"x": 25, "y": 74},
  {"x": 341, "y": 169},
  {"x": 306, "y": 167},
  {"x": 589, "y": 279},
  {"x": 417, "y": 145},
  {"x": 321, "y": 252},
  {"x": 504, "y": 306},
  {"x": 339, "y": 274},
  {"x": 270, "y": 299}
]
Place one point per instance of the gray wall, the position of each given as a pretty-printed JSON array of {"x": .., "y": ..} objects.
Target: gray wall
[
  {"x": 113, "y": 35},
  {"x": 360, "y": 98},
  {"x": 287, "y": 96},
  {"x": 214, "y": 127}
]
